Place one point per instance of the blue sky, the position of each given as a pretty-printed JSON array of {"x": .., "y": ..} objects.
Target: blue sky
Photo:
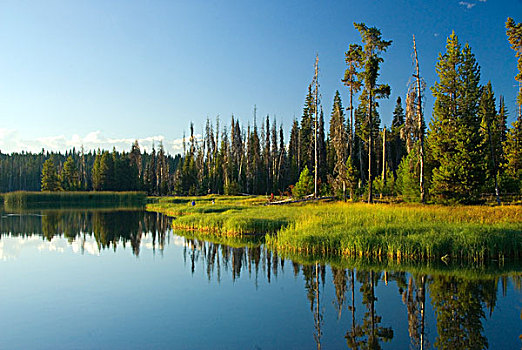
[{"x": 108, "y": 72}]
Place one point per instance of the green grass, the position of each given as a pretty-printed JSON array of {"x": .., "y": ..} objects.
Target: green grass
[
  {"x": 229, "y": 216},
  {"x": 477, "y": 270},
  {"x": 396, "y": 232},
  {"x": 23, "y": 199}
]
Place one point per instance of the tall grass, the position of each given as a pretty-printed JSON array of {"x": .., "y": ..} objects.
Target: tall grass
[
  {"x": 406, "y": 232},
  {"x": 379, "y": 231},
  {"x": 23, "y": 199}
]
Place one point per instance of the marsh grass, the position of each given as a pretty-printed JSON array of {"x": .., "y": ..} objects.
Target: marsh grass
[
  {"x": 380, "y": 231},
  {"x": 37, "y": 200}
]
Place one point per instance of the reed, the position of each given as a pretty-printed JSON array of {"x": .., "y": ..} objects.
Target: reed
[
  {"x": 379, "y": 231},
  {"x": 24, "y": 199}
]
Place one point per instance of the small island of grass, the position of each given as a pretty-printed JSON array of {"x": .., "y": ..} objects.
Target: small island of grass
[{"x": 398, "y": 232}]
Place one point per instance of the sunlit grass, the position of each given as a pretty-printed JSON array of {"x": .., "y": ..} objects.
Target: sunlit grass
[
  {"x": 24, "y": 199},
  {"x": 396, "y": 232}
]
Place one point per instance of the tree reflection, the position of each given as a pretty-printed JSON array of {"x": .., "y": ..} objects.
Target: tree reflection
[
  {"x": 414, "y": 296},
  {"x": 370, "y": 333},
  {"x": 311, "y": 274},
  {"x": 458, "y": 304},
  {"x": 109, "y": 228}
]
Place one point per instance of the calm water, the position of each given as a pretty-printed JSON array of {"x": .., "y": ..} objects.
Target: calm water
[{"x": 123, "y": 279}]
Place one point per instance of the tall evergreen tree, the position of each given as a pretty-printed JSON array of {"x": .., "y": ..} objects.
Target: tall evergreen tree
[
  {"x": 338, "y": 149},
  {"x": 514, "y": 34},
  {"x": 374, "y": 46},
  {"x": 455, "y": 137},
  {"x": 353, "y": 59},
  {"x": 490, "y": 134},
  {"x": 283, "y": 166},
  {"x": 96, "y": 173},
  {"x": 294, "y": 153},
  {"x": 513, "y": 151},
  {"x": 70, "y": 177},
  {"x": 397, "y": 144},
  {"x": 306, "y": 135},
  {"x": 50, "y": 179},
  {"x": 321, "y": 149}
]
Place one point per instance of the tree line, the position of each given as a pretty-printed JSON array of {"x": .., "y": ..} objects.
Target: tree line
[
  {"x": 468, "y": 150},
  {"x": 89, "y": 171}
]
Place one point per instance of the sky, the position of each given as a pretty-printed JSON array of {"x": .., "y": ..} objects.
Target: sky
[{"x": 104, "y": 73}]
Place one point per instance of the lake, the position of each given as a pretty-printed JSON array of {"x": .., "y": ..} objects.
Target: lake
[{"x": 122, "y": 279}]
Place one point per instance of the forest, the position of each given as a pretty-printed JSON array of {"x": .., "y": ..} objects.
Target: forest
[{"x": 467, "y": 151}]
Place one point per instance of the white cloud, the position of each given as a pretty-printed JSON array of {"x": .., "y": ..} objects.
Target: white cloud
[
  {"x": 468, "y": 5},
  {"x": 12, "y": 141}
]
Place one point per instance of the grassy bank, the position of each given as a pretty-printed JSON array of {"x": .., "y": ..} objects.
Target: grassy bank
[
  {"x": 24, "y": 199},
  {"x": 475, "y": 270},
  {"x": 380, "y": 231}
]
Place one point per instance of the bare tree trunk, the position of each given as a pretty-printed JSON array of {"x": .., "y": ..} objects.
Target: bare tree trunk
[
  {"x": 422, "y": 297},
  {"x": 420, "y": 124},
  {"x": 370, "y": 141},
  {"x": 495, "y": 171},
  {"x": 351, "y": 132},
  {"x": 383, "y": 178},
  {"x": 384, "y": 156},
  {"x": 316, "y": 113}
]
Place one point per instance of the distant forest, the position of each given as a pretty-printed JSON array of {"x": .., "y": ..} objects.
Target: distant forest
[{"x": 468, "y": 150}]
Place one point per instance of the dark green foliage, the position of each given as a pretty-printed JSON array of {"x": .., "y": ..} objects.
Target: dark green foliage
[
  {"x": 294, "y": 153},
  {"x": 397, "y": 144},
  {"x": 373, "y": 47},
  {"x": 408, "y": 176},
  {"x": 455, "y": 138},
  {"x": 459, "y": 311},
  {"x": 304, "y": 186},
  {"x": 70, "y": 177},
  {"x": 85, "y": 171},
  {"x": 23, "y": 199},
  {"x": 50, "y": 179},
  {"x": 338, "y": 139},
  {"x": 513, "y": 152},
  {"x": 321, "y": 150},
  {"x": 493, "y": 130},
  {"x": 514, "y": 33}
]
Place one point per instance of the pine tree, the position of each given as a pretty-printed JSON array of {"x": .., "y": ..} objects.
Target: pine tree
[
  {"x": 50, "y": 179},
  {"x": 283, "y": 166},
  {"x": 106, "y": 172},
  {"x": 305, "y": 185},
  {"x": 162, "y": 172},
  {"x": 306, "y": 135},
  {"x": 397, "y": 145},
  {"x": 321, "y": 150},
  {"x": 267, "y": 156},
  {"x": 490, "y": 135},
  {"x": 70, "y": 177},
  {"x": 96, "y": 173},
  {"x": 454, "y": 136},
  {"x": 374, "y": 45},
  {"x": 294, "y": 150},
  {"x": 274, "y": 157},
  {"x": 135, "y": 164},
  {"x": 513, "y": 152},
  {"x": 339, "y": 142},
  {"x": 514, "y": 34},
  {"x": 353, "y": 59}
]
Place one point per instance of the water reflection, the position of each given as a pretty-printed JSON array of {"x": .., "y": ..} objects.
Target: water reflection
[
  {"x": 461, "y": 303},
  {"x": 437, "y": 308},
  {"x": 109, "y": 228}
]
